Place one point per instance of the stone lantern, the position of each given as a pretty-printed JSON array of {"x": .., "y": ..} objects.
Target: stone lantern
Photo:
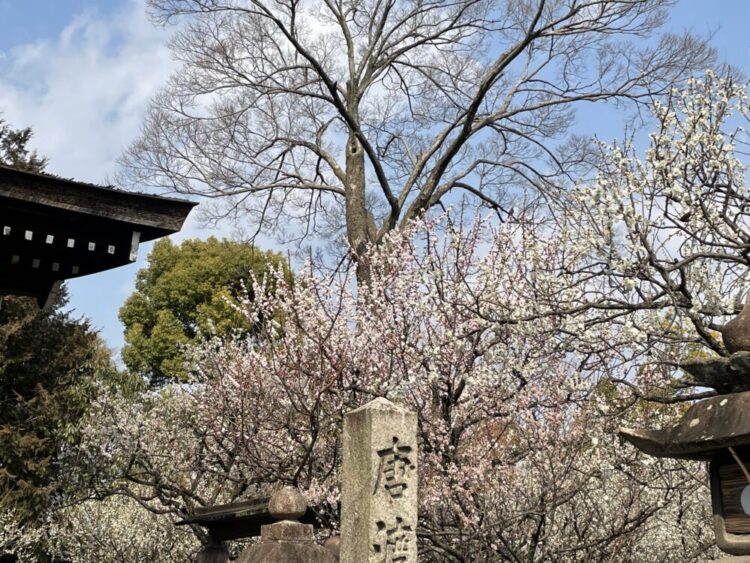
[
  {"x": 284, "y": 523},
  {"x": 287, "y": 539},
  {"x": 716, "y": 430}
]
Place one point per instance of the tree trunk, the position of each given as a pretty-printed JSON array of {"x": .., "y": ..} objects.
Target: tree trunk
[{"x": 358, "y": 218}]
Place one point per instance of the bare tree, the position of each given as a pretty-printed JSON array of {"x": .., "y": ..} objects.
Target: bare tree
[{"x": 359, "y": 115}]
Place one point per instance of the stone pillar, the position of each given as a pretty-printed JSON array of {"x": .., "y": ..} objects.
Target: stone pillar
[{"x": 379, "y": 485}]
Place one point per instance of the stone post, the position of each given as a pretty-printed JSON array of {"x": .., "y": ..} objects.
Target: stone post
[{"x": 379, "y": 485}]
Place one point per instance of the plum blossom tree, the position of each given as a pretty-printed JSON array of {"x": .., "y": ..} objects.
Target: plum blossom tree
[
  {"x": 670, "y": 231},
  {"x": 17, "y": 537},
  {"x": 518, "y": 460},
  {"x": 156, "y": 450},
  {"x": 118, "y": 530}
]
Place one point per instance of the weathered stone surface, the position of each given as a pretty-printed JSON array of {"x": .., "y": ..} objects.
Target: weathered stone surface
[
  {"x": 736, "y": 333},
  {"x": 287, "y": 530},
  {"x": 287, "y": 504},
  {"x": 333, "y": 544},
  {"x": 706, "y": 428},
  {"x": 286, "y": 553},
  {"x": 379, "y": 485},
  {"x": 725, "y": 375}
]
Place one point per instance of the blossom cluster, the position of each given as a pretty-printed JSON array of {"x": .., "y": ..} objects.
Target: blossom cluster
[{"x": 470, "y": 328}]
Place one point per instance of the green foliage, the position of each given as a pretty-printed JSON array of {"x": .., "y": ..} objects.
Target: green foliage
[
  {"x": 50, "y": 367},
  {"x": 186, "y": 291},
  {"x": 14, "y": 151}
]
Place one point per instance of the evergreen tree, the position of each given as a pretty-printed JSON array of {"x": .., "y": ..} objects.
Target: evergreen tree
[
  {"x": 14, "y": 151},
  {"x": 50, "y": 366}
]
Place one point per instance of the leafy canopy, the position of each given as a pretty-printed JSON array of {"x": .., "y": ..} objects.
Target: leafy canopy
[{"x": 186, "y": 291}]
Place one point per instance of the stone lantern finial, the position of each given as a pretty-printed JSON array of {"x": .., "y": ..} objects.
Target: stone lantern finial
[{"x": 287, "y": 504}]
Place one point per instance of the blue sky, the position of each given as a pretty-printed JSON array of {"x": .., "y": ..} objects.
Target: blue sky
[
  {"x": 81, "y": 72},
  {"x": 26, "y": 21}
]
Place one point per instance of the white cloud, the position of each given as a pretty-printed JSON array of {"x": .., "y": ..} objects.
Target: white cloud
[{"x": 85, "y": 92}]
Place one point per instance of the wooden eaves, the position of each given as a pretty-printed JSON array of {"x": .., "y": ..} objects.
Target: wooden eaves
[{"x": 53, "y": 229}]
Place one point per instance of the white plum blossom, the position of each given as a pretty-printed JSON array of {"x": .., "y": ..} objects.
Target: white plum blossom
[{"x": 119, "y": 530}]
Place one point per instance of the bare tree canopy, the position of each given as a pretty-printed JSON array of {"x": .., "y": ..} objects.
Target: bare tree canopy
[{"x": 357, "y": 115}]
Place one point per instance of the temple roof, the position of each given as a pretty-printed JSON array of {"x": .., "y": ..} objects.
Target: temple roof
[{"x": 52, "y": 229}]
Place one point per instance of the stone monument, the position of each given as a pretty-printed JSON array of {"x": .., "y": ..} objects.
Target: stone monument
[{"x": 379, "y": 485}]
